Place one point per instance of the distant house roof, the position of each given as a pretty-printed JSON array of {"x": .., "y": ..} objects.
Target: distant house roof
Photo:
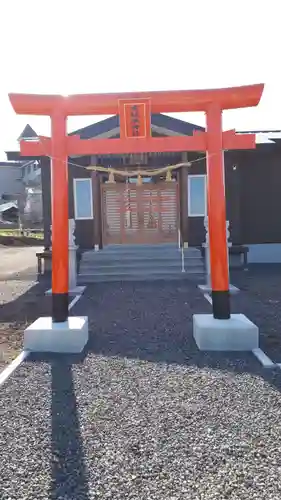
[
  {"x": 27, "y": 133},
  {"x": 265, "y": 136},
  {"x": 8, "y": 205},
  {"x": 11, "y": 163}
]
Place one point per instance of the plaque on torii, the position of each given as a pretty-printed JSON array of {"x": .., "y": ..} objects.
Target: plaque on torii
[{"x": 134, "y": 110}]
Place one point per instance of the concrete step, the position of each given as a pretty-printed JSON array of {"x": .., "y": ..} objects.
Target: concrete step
[
  {"x": 175, "y": 254},
  {"x": 138, "y": 261},
  {"x": 139, "y": 269},
  {"x": 140, "y": 247},
  {"x": 147, "y": 251},
  {"x": 122, "y": 249},
  {"x": 140, "y": 276},
  {"x": 149, "y": 263}
]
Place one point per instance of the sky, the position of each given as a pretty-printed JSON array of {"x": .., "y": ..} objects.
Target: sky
[{"x": 120, "y": 45}]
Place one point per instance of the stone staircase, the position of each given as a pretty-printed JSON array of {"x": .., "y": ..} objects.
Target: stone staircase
[{"x": 140, "y": 263}]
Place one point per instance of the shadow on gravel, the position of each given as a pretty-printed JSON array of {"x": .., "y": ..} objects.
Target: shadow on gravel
[
  {"x": 69, "y": 477},
  {"x": 260, "y": 301},
  {"x": 21, "y": 305},
  {"x": 25, "y": 308},
  {"x": 153, "y": 323}
]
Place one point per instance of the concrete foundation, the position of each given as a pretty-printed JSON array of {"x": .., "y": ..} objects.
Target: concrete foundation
[
  {"x": 77, "y": 290},
  {"x": 235, "y": 334},
  {"x": 68, "y": 337},
  {"x": 208, "y": 289}
]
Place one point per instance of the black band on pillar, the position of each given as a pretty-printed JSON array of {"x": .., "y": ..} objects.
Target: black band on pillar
[
  {"x": 60, "y": 307},
  {"x": 221, "y": 304}
]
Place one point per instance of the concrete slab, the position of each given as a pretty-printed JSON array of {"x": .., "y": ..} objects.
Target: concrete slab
[
  {"x": 208, "y": 289},
  {"x": 235, "y": 334},
  {"x": 69, "y": 337},
  {"x": 17, "y": 259}
]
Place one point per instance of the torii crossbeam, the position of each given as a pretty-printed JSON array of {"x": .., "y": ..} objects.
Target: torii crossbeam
[{"x": 135, "y": 110}]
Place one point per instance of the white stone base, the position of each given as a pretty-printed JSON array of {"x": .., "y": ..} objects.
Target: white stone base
[
  {"x": 78, "y": 290},
  {"x": 235, "y": 334},
  {"x": 68, "y": 337},
  {"x": 208, "y": 289}
]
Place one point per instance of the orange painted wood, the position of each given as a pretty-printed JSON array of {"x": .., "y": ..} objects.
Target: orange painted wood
[
  {"x": 216, "y": 202},
  {"x": 142, "y": 106},
  {"x": 42, "y": 147},
  {"x": 231, "y": 140},
  {"x": 77, "y": 146},
  {"x": 161, "y": 102},
  {"x": 60, "y": 217},
  {"x": 137, "y": 145}
]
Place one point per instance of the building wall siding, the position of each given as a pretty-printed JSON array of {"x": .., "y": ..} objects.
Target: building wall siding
[
  {"x": 253, "y": 196},
  {"x": 10, "y": 181},
  {"x": 260, "y": 188}
]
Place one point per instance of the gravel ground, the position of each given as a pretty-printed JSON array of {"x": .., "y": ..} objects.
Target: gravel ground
[
  {"x": 260, "y": 300},
  {"x": 144, "y": 415},
  {"x": 22, "y": 300}
]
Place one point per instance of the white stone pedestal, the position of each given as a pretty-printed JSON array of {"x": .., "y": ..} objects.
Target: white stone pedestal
[
  {"x": 73, "y": 289},
  {"x": 208, "y": 289},
  {"x": 69, "y": 337},
  {"x": 78, "y": 290},
  {"x": 235, "y": 334},
  {"x": 72, "y": 262}
]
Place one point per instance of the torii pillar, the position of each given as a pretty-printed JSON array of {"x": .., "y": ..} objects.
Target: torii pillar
[{"x": 217, "y": 331}]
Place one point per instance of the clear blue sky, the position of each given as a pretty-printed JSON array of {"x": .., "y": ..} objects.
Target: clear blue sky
[{"x": 110, "y": 45}]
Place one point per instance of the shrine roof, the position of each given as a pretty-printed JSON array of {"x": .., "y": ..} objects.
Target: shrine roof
[{"x": 110, "y": 126}]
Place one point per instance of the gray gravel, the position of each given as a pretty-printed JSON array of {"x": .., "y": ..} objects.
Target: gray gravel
[
  {"x": 144, "y": 415},
  {"x": 21, "y": 302},
  {"x": 260, "y": 300}
]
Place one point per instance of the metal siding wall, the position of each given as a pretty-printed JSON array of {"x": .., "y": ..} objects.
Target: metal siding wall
[{"x": 260, "y": 185}]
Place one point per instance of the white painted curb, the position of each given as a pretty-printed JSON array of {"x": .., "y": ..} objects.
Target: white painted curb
[
  {"x": 7, "y": 372},
  {"x": 263, "y": 358},
  {"x": 260, "y": 355}
]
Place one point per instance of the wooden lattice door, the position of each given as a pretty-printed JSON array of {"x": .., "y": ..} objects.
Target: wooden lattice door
[{"x": 140, "y": 214}]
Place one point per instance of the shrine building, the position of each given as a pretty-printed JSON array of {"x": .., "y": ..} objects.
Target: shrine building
[{"x": 157, "y": 205}]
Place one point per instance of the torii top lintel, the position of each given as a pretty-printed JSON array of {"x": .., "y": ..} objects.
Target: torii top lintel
[{"x": 175, "y": 101}]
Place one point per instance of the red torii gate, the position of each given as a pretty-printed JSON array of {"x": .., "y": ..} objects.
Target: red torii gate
[{"x": 134, "y": 110}]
